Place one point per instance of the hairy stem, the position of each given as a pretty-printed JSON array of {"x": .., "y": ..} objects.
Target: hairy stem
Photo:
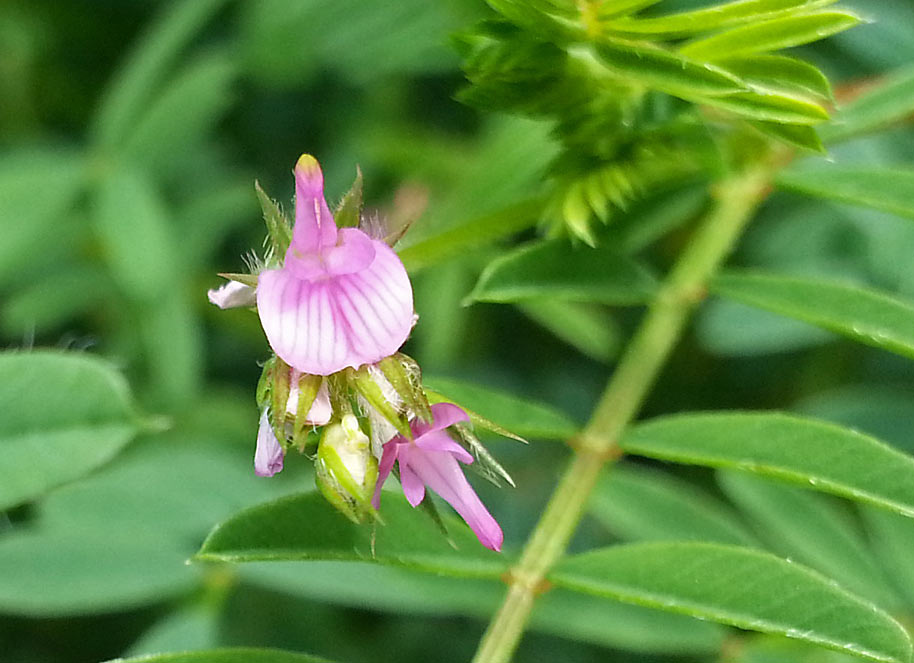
[{"x": 737, "y": 197}]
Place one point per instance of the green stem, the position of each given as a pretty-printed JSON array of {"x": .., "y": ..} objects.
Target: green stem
[{"x": 737, "y": 197}]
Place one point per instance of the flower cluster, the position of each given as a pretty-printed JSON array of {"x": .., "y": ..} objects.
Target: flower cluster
[{"x": 336, "y": 305}]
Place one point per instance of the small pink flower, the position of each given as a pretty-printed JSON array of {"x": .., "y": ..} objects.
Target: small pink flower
[
  {"x": 431, "y": 460},
  {"x": 341, "y": 298},
  {"x": 268, "y": 456}
]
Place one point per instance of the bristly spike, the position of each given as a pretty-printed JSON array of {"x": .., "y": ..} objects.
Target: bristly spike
[{"x": 349, "y": 212}]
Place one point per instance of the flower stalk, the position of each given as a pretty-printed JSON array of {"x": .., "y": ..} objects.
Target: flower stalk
[{"x": 737, "y": 197}]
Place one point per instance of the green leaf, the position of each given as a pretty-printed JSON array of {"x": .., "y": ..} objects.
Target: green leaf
[
  {"x": 863, "y": 315},
  {"x": 455, "y": 242},
  {"x": 660, "y": 69},
  {"x": 519, "y": 415},
  {"x": 740, "y": 587},
  {"x": 889, "y": 189},
  {"x": 555, "y": 268},
  {"x": 798, "y": 135},
  {"x": 824, "y": 456},
  {"x": 893, "y": 539},
  {"x": 780, "y": 73},
  {"x": 237, "y": 655},
  {"x": 588, "y": 328},
  {"x": 305, "y": 527},
  {"x": 769, "y": 106},
  {"x": 132, "y": 223},
  {"x": 66, "y": 572},
  {"x": 134, "y": 85},
  {"x": 639, "y": 504},
  {"x": 889, "y": 102},
  {"x": 707, "y": 18},
  {"x": 187, "y": 628},
  {"x": 183, "y": 113},
  {"x": 771, "y": 35},
  {"x": 64, "y": 415},
  {"x": 37, "y": 189},
  {"x": 623, "y": 7},
  {"x": 803, "y": 526}
]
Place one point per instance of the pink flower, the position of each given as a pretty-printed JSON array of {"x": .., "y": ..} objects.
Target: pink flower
[
  {"x": 431, "y": 460},
  {"x": 341, "y": 298},
  {"x": 268, "y": 456}
]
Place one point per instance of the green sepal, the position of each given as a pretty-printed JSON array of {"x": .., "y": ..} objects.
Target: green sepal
[
  {"x": 349, "y": 212},
  {"x": 265, "y": 384},
  {"x": 246, "y": 279},
  {"x": 279, "y": 397},
  {"x": 405, "y": 377},
  {"x": 278, "y": 227},
  {"x": 308, "y": 386},
  {"x": 334, "y": 479},
  {"x": 362, "y": 382},
  {"x": 476, "y": 418}
]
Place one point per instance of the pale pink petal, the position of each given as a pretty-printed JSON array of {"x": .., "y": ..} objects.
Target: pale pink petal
[
  {"x": 440, "y": 441},
  {"x": 443, "y": 415},
  {"x": 232, "y": 295},
  {"x": 314, "y": 226},
  {"x": 354, "y": 252},
  {"x": 441, "y": 473},
  {"x": 268, "y": 456},
  {"x": 413, "y": 485},
  {"x": 320, "y": 411},
  {"x": 388, "y": 456}
]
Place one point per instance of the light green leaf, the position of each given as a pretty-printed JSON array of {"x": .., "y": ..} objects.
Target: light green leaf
[
  {"x": 519, "y": 415},
  {"x": 890, "y": 102},
  {"x": 769, "y": 106},
  {"x": 624, "y": 7},
  {"x": 661, "y": 69},
  {"x": 238, "y": 655},
  {"x": 65, "y": 572},
  {"x": 824, "y": 456},
  {"x": 780, "y": 73},
  {"x": 740, "y": 587},
  {"x": 306, "y": 527},
  {"x": 183, "y": 113},
  {"x": 803, "y": 526},
  {"x": 190, "y": 627},
  {"x": 893, "y": 539},
  {"x": 708, "y": 18},
  {"x": 37, "y": 189},
  {"x": 863, "y": 315},
  {"x": 649, "y": 220},
  {"x": 64, "y": 415},
  {"x": 134, "y": 85},
  {"x": 132, "y": 223},
  {"x": 797, "y": 135},
  {"x": 455, "y": 242},
  {"x": 889, "y": 189},
  {"x": 639, "y": 504},
  {"x": 771, "y": 35},
  {"x": 555, "y": 268},
  {"x": 173, "y": 348},
  {"x": 588, "y": 328}
]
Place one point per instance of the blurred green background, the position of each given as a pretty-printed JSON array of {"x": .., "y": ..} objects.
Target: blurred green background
[{"x": 130, "y": 137}]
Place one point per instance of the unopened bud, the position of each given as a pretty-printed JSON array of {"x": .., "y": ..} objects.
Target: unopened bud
[{"x": 346, "y": 472}]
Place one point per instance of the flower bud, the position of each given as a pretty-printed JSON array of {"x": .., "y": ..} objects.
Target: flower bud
[{"x": 345, "y": 470}]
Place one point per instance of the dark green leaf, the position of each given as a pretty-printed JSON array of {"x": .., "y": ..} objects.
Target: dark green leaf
[
  {"x": 555, "y": 268},
  {"x": 771, "y": 35},
  {"x": 306, "y": 527},
  {"x": 889, "y": 189},
  {"x": 889, "y": 102},
  {"x": 639, "y": 504},
  {"x": 64, "y": 415},
  {"x": 893, "y": 539},
  {"x": 518, "y": 415},
  {"x": 741, "y": 587},
  {"x": 864, "y": 315},
  {"x": 239, "y": 655},
  {"x": 824, "y": 456},
  {"x": 586, "y": 327}
]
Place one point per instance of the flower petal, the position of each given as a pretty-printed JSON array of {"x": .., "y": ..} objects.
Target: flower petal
[
  {"x": 232, "y": 295},
  {"x": 443, "y": 415},
  {"x": 268, "y": 457},
  {"x": 413, "y": 485},
  {"x": 440, "y": 441},
  {"x": 314, "y": 226},
  {"x": 320, "y": 410},
  {"x": 355, "y": 251},
  {"x": 440, "y": 472},
  {"x": 388, "y": 457}
]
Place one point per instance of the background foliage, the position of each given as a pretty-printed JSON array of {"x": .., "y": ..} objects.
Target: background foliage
[{"x": 131, "y": 135}]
